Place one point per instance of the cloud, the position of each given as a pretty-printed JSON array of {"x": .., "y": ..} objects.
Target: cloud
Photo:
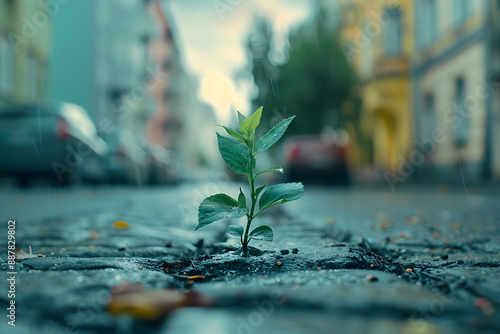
[{"x": 213, "y": 45}]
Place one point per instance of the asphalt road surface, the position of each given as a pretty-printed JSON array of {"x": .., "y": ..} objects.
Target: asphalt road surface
[{"x": 344, "y": 260}]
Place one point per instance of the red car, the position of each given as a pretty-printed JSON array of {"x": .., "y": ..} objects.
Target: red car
[{"x": 316, "y": 158}]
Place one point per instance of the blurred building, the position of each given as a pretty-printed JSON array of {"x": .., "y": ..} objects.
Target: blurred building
[
  {"x": 99, "y": 61},
  {"x": 377, "y": 39},
  {"x": 453, "y": 91},
  {"x": 493, "y": 114},
  {"x": 120, "y": 61},
  {"x": 24, "y": 50},
  {"x": 178, "y": 120}
]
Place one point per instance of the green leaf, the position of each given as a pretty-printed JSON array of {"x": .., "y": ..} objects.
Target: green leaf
[
  {"x": 281, "y": 193},
  {"x": 259, "y": 190},
  {"x": 217, "y": 207},
  {"x": 242, "y": 201},
  {"x": 251, "y": 123},
  {"x": 234, "y": 230},
  {"x": 234, "y": 134},
  {"x": 276, "y": 168},
  {"x": 263, "y": 232},
  {"x": 235, "y": 154},
  {"x": 241, "y": 118},
  {"x": 273, "y": 135}
]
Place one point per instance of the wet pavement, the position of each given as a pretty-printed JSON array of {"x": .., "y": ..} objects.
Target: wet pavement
[{"x": 355, "y": 260}]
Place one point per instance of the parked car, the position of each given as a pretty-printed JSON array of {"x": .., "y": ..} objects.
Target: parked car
[
  {"x": 58, "y": 141},
  {"x": 127, "y": 161},
  {"x": 162, "y": 163},
  {"x": 316, "y": 158}
]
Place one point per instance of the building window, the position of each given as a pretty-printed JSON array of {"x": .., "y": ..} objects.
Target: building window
[
  {"x": 366, "y": 67},
  {"x": 426, "y": 22},
  {"x": 7, "y": 63},
  {"x": 393, "y": 32},
  {"x": 460, "y": 114},
  {"x": 30, "y": 82},
  {"x": 429, "y": 115},
  {"x": 460, "y": 12}
]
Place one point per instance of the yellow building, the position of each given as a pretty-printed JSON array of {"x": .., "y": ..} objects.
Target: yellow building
[
  {"x": 377, "y": 40},
  {"x": 24, "y": 49}
]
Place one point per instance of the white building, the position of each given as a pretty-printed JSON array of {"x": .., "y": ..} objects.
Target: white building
[
  {"x": 453, "y": 91},
  {"x": 99, "y": 61}
]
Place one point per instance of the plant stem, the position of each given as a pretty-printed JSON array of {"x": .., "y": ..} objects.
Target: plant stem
[{"x": 251, "y": 182}]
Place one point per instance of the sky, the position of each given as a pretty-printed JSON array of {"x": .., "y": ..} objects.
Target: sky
[{"x": 212, "y": 37}]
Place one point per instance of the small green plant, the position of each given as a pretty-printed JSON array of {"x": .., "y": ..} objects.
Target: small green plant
[{"x": 239, "y": 154}]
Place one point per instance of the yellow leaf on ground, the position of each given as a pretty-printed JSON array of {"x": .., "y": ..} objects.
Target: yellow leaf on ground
[
  {"x": 133, "y": 300},
  {"x": 120, "y": 225}
]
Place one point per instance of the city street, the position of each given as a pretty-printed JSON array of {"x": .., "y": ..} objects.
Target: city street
[
  {"x": 240, "y": 167},
  {"x": 344, "y": 260}
]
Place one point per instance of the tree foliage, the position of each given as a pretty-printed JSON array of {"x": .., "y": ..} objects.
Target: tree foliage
[{"x": 315, "y": 83}]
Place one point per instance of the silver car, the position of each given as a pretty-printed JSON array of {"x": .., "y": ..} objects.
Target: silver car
[
  {"x": 55, "y": 141},
  {"x": 127, "y": 161}
]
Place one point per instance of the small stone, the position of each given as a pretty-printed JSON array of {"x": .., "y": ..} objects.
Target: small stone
[
  {"x": 40, "y": 255},
  {"x": 409, "y": 270},
  {"x": 279, "y": 263},
  {"x": 140, "y": 267},
  {"x": 63, "y": 249},
  {"x": 401, "y": 235},
  {"x": 319, "y": 268},
  {"x": 445, "y": 257},
  {"x": 285, "y": 251},
  {"x": 372, "y": 266},
  {"x": 295, "y": 251},
  {"x": 371, "y": 278}
]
